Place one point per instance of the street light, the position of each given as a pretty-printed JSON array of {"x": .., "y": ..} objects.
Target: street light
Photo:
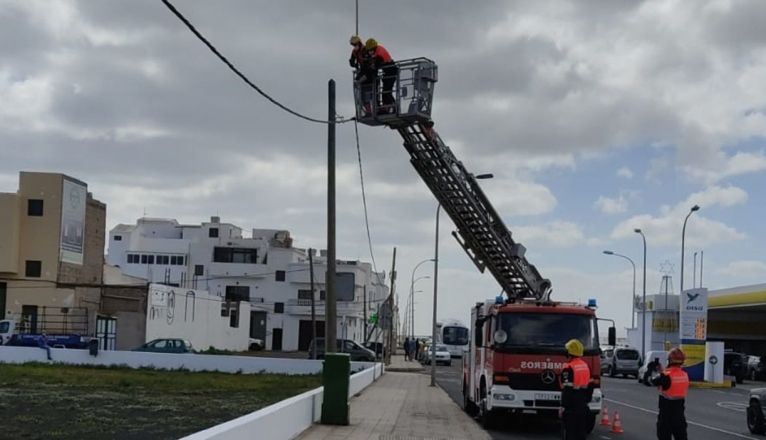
[
  {"x": 412, "y": 284},
  {"x": 694, "y": 209},
  {"x": 412, "y": 298},
  {"x": 436, "y": 281},
  {"x": 633, "y": 300},
  {"x": 643, "y": 306}
]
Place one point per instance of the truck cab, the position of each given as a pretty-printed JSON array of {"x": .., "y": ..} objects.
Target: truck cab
[{"x": 517, "y": 353}]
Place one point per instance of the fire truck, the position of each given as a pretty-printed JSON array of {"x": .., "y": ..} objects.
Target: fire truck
[
  {"x": 516, "y": 345},
  {"x": 516, "y": 354}
]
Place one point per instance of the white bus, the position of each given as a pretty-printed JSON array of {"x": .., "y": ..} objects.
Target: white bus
[{"x": 453, "y": 334}]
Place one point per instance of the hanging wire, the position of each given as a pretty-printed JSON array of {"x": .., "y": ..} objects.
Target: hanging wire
[{"x": 244, "y": 78}]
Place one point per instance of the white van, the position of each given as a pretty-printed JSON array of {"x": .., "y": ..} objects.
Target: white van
[{"x": 653, "y": 356}]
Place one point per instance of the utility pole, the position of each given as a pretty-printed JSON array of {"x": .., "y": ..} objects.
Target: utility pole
[
  {"x": 313, "y": 306},
  {"x": 388, "y": 307},
  {"x": 364, "y": 312},
  {"x": 330, "y": 299}
]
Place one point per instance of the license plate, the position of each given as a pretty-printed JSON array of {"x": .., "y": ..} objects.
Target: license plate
[{"x": 547, "y": 396}]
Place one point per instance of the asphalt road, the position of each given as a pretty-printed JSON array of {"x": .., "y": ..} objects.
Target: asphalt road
[{"x": 711, "y": 414}]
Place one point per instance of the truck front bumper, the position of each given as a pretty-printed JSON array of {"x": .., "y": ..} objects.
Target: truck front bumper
[{"x": 503, "y": 397}]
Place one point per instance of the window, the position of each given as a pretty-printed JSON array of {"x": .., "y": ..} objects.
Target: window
[
  {"x": 151, "y": 259},
  {"x": 199, "y": 270},
  {"x": 304, "y": 294},
  {"x": 35, "y": 208},
  {"x": 180, "y": 260},
  {"x": 118, "y": 238},
  {"x": 163, "y": 259},
  {"x": 322, "y": 295},
  {"x": 173, "y": 260},
  {"x": 235, "y": 255},
  {"x": 133, "y": 259},
  {"x": 237, "y": 293},
  {"x": 280, "y": 275},
  {"x": 144, "y": 259},
  {"x": 279, "y": 307},
  {"x": 212, "y": 232},
  {"x": 34, "y": 268}
]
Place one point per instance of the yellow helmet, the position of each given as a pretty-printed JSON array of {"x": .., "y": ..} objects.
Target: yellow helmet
[
  {"x": 371, "y": 44},
  {"x": 575, "y": 348},
  {"x": 355, "y": 40}
]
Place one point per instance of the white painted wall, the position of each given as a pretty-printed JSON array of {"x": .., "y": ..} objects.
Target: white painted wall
[
  {"x": 286, "y": 419},
  {"x": 190, "y": 361},
  {"x": 195, "y": 315}
]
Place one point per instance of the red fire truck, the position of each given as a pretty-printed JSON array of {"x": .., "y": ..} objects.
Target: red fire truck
[{"x": 516, "y": 354}]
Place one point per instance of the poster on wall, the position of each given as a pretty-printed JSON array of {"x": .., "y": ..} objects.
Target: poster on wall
[
  {"x": 693, "y": 331},
  {"x": 74, "y": 197}
]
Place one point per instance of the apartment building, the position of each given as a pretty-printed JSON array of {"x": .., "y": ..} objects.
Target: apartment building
[
  {"x": 51, "y": 255},
  {"x": 264, "y": 269}
]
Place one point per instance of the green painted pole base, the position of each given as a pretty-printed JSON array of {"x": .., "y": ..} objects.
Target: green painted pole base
[{"x": 336, "y": 375}]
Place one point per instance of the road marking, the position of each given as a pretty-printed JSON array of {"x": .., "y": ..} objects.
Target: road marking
[
  {"x": 734, "y": 406},
  {"x": 700, "y": 425}
]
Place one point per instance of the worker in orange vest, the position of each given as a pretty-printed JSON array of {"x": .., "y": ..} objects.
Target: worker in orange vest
[
  {"x": 673, "y": 385},
  {"x": 381, "y": 60},
  {"x": 576, "y": 392}
]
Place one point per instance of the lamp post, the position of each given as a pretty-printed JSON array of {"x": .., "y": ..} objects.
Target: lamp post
[
  {"x": 412, "y": 286},
  {"x": 412, "y": 300},
  {"x": 633, "y": 299},
  {"x": 643, "y": 301},
  {"x": 694, "y": 209},
  {"x": 436, "y": 281}
]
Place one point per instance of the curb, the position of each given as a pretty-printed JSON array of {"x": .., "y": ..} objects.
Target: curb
[{"x": 710, "y": 385}]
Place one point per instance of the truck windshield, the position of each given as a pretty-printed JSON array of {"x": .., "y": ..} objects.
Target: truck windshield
[
  {"x": 547, "y": 329},
  {"x": 455, "y": 335}
]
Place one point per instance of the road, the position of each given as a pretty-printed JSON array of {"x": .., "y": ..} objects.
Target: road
[{"x": 711, "y": 414}]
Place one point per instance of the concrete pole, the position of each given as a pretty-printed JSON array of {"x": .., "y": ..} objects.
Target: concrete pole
[
  {"x": 330, "y": 298},
  {"x": 313, "y": 305},
  {"x": 436, "y": 283},
  {"x": 643, "y": 308}
]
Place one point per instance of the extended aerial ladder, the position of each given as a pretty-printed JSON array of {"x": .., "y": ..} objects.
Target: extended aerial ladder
[{"x": 406, "y": 107}]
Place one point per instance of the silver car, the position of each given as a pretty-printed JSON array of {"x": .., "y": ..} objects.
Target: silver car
[{"x": 755, "y": 414}]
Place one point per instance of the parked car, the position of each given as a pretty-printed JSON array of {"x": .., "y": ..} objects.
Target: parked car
[
  {"x": 356, "y": 351},
  {"x": 650, "y": 360},
  {"x": 255, "y": 344},
  {"x": 756, "y": 368},
  {"x": 735, "y": 365},
  {"x": 442, "y": 355},
  {"x": 755, "y": 414},
  {"x": 621, "y": 360},
  {"x": 606, "y": 359},
  {"x": 376, "y": 347},
  {"x": 169, "y": 345}
]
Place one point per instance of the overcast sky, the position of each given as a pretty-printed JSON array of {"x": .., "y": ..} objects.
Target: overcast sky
[{"x": 595, "y": 117}]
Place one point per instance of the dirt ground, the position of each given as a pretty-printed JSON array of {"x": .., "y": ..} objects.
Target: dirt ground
[{"x": 64, "y": 402}]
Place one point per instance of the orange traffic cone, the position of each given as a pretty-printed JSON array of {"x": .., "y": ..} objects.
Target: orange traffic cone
[
  {"x": 617, "y": 426},
  {"x": 605, "y": 417}
]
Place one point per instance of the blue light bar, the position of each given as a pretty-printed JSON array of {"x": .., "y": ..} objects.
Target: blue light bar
[{"x": 592, "y": 303}]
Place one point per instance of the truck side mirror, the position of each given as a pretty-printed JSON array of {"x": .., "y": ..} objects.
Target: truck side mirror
[{"x": 612, "y": 336}]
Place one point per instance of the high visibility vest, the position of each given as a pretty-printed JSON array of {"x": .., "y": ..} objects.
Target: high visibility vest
[
  {"x": 581, "y": 372},
  {"x": 381, "y": 52},
  {"x": 679, "y": 384}
]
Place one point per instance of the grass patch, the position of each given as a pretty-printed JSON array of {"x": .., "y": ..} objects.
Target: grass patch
[{"x": 42, "y": 401}]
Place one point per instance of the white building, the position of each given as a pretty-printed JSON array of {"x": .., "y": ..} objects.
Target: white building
[{"x": 264, "y": 269}]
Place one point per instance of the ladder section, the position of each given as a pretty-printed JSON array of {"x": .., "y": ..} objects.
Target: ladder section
[{"x": 480, "y": 230}]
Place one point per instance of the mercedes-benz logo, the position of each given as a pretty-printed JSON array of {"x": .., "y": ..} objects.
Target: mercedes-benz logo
[{"x": 548, "y": 377}]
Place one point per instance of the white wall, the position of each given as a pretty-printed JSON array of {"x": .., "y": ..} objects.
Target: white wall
[
  {"x": 195, "y": 315},
  {"x": 190, "y": 361}
]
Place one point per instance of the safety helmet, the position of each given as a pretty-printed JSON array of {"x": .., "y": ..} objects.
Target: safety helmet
[
  {"x": 371, "y": 44},
  {"x": 676, "y": 356},
  {"x": 575, "y": 348},
  {"x": 355, "y": 40}
]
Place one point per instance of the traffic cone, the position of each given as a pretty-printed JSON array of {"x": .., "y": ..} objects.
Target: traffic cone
[
  {"x": 605, "y": 417},
  {"x": 617, "y": 426}
]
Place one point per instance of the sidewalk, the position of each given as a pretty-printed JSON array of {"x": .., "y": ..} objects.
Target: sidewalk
[
  {"x": 401, "y": 406},
  {"x": 398, "y": 364}
]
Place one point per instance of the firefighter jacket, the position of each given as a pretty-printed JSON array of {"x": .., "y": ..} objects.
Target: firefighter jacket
[{"x": 576, "y": 391}]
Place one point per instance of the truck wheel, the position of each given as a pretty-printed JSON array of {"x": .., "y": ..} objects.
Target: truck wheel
[
  {"x": 755, "y": 422},
  {"x": 591, "y": 422},
  {"x": 486, "y": 416}
]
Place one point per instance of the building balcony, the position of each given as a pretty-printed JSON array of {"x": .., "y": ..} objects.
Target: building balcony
[
  {"x": 303, "y": 307},
  {"x": 238, "y": 270}
]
